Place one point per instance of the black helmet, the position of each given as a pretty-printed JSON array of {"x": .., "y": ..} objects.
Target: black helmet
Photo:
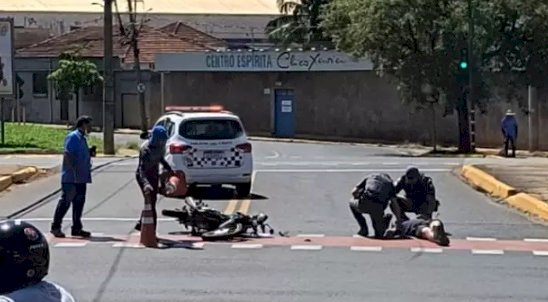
[{"x": 24, "y": 255}]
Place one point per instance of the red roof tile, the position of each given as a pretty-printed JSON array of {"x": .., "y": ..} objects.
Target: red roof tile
[
  {"x": 88, "y": 41},
  {"x": 153, "y": 41},
  {"x": 27, "y": 36},
  {"x": 190, "y": 33}
]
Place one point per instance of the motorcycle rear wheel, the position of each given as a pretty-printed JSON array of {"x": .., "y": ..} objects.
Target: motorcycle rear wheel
[{"x": 223, "y": 233}]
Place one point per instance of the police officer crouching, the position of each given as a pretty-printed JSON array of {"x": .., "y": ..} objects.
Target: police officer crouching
[
  {"x": 372, "y": 196},
  {"x": 420, "y": 194},
  {"x": 24, "y": 262}
]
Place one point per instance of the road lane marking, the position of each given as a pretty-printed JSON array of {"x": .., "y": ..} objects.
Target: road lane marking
[
  {"x": 426, "y": 250},
  {"x": 128, "y": 245},
  {"x": 480, "y": 239},
  {"x": 535, "y": 240},
  {"x": 307, "y": 247},
  {"x": 540, "y": 253},
  {"x": 366, "y": 248},
  {"x": 97, "y": 219},
  {"x": 244, "y": 206},
  {"x": 344, "y": 170},
  {"x": 71, "y": 244},
  {"x": 273, "y": 156},
  {"x": 246, "y": 246},
  {"x": 231, "y": 206},
  {"x": 487, "y": 252},
  {"x": 311, "y": 235},
  {"x": 252, "y": 180}
]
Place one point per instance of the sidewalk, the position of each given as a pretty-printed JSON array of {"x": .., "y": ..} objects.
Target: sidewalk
[{"x": 523, "y": 186}]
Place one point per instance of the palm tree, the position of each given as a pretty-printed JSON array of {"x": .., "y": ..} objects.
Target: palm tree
[{"x": 298, "y": 24}]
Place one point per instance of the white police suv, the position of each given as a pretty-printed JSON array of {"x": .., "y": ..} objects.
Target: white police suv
[{"x": 209, "y": 145}]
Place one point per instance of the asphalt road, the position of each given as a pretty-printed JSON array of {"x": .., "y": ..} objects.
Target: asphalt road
[{"x": 304, "y": 189}]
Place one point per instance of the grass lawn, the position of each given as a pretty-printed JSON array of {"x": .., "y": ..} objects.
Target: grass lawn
[{"x": 32, "y": 138}]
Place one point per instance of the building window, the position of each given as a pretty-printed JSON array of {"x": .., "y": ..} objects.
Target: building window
[{"x": 40, "y": 84}]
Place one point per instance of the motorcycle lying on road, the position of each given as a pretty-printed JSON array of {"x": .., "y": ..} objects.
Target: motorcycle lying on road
[{"x": 211, "y": 224}]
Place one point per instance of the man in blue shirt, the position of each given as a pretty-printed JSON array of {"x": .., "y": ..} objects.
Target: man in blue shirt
[
  {"x": 509, "y": 128},
  {"x": 76, "y": 174}
]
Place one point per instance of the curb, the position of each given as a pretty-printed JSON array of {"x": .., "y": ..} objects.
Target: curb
[
  {"x": 17, "y": 177},
  {"x": 510, "y": 195},
  {"x": 23, "y": 174}
]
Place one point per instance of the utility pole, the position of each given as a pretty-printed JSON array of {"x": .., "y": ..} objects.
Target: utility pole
[
  {"x": 471, "y": 68},
  {"x": 533, "y": 119},
  {"x": 108, "y": 92},
  {"x": 137, "y": 64}
]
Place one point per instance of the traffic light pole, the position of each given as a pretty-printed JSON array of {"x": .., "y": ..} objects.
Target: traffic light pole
[{"x": 471, "y": 66}]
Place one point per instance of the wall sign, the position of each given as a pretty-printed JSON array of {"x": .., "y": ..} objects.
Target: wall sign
[
  {"x": 6, "y": 58},
  {"x": 260, "y": 61}
]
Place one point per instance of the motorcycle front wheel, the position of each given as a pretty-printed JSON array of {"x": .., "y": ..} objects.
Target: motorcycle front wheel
[{"x": 223, "y": 233}]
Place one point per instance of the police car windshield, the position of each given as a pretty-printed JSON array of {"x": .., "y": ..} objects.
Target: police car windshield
[{"x": 210, "y": 129}]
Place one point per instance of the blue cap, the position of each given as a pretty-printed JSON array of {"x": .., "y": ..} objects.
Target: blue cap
[{"x": 159, "y": 133}]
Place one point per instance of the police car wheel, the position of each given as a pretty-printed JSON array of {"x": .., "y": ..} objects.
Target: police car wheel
[{"x": 243, "y": 190}]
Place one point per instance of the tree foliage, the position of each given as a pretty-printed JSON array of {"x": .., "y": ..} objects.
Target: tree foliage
[
  {"x": 73, "y": 73},
  {"x": 519, "y": 43},
  {"x": 417, "y": 42},
  {"x": 299, "y": 23},
  {"x": 420, "y": 43}
]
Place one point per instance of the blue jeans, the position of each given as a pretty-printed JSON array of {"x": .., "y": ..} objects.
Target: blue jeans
[{"x": 75, "y": 194}]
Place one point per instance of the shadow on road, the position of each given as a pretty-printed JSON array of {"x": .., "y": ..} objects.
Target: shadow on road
[
  {"x": 219, "y": 193},
  {"x": 103, "y": 239}
]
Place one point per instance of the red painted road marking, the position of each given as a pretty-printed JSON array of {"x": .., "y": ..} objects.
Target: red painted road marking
[{"x": 328, "y": 241}]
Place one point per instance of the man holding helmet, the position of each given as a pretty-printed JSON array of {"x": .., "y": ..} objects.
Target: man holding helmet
[{"x": 24, "y": 262}]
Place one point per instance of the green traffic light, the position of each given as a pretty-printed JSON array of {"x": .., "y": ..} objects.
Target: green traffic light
[{"x": 463, "y": 65}]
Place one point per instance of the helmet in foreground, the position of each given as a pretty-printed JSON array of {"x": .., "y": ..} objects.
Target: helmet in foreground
[{"x": 24, "y": 255}]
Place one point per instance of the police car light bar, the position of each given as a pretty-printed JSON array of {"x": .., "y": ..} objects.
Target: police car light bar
[{"x": 213, "y": 108}]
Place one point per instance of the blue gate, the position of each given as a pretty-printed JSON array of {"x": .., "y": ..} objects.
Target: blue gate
[{"x": 284, "y": 121}]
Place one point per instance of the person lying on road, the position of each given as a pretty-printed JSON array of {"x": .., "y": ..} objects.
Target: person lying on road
[
  {"x": 24, "y": 262},
  {"x": 420, "y": 194},
  {"x": 372, "y": 196},
  {"x": 151, "y": 155},
  {"x": 431, "y": 230}
]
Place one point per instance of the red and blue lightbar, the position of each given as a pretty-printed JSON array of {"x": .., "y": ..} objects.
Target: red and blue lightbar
[{"x": 212, "y": 108}]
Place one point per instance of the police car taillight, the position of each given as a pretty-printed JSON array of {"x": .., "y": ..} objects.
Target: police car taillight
[
  {"x": 246, "y": 148},
  {"x": 178, "y": 148}
]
